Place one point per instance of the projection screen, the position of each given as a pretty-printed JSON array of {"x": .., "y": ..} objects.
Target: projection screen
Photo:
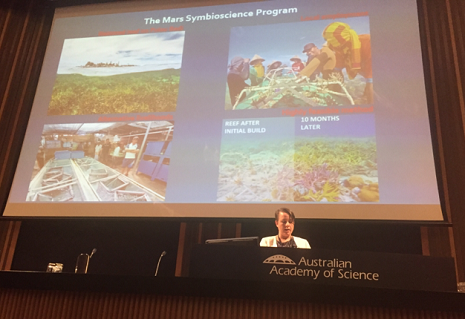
[{"x": 231, "y": 111}]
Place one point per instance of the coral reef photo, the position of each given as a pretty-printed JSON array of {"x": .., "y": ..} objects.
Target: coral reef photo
[{"x": 304, "y": 170}]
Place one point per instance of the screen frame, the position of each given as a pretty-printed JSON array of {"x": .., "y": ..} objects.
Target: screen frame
[{"x": 446, "y": 219}]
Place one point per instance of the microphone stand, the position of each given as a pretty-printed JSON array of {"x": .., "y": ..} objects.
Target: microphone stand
[
  {"x": 83, "y": 262},
  {"x": 159, "y": 259}
]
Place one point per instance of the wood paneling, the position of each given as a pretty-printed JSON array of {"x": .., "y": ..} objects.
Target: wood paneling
[
  {"x": 24, "y": 304},
  {"x": 456, "y": 23},
  {"x": 441, "y": 27},
  {"x": 9, "y": 231},
  {"x": 24, "y": 29}
]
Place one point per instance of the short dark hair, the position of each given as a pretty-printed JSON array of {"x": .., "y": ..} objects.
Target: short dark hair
[{"x": 285, "y": 211}]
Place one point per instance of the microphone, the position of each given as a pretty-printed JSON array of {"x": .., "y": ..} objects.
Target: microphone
[
  {"x": 82, "y": 262},
  {"x": 159, "y": 259}
]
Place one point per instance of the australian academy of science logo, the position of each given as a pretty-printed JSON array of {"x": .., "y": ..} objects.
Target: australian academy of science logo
[
  {"x": 285, "y": 266},
  {"x": 280, "y": 260}
]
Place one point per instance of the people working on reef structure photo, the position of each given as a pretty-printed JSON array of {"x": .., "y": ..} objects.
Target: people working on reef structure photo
[
  {"x": 338, "y": 65},
  {"x": 284, "y": 220}
]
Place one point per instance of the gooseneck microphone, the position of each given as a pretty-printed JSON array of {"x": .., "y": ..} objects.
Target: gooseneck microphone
[
  {"x": 82, "y": 262},
  {"x": 159, "y": 259}
]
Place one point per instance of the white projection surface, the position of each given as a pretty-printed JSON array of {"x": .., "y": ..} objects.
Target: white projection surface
[{"x": 238, "y": 109}]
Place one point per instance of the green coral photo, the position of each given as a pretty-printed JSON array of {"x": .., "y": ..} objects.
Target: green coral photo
[{"x": 308, "y": 170}]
